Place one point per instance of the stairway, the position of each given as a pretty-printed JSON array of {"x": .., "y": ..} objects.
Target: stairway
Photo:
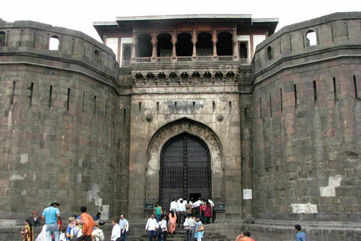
[{"x": 180, "y": 236}]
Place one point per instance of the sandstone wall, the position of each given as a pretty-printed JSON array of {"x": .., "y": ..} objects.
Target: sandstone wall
[{"x": 306, "y": 121}]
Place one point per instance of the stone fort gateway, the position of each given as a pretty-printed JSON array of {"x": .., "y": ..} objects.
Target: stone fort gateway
[{"x": 267, "y": 124}]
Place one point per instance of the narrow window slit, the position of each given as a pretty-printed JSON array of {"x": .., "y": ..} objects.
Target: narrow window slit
[
  {"x": 246, "y": 112},
  {"x": 13, "y": 93},
  {"x": 314, "y": 91},
  {"x": 83, "y": 102},
  {"x": 230, "y": 106},
  {"x": 50, "y": 96},
  {"x": 295, "y": 92},
  {"x": 31, "y": 89},
  {"x": 194, "y": 105},
  {"x": 334, "y": 89},
  {"x": 157, "y": 106},
  {"x": 68, "y": 100},
  {"x": 281, "y": 99},
  {"x": 140, "y": 106},
  {"x": 213, "y": 106},
  {"x": 175, "y": 105},
  {"x": 355, "y": 86},
  {"x": 260, "y": 107},
  {"x": 95, "y": 104},
  {"x": 124, "y": 115}
]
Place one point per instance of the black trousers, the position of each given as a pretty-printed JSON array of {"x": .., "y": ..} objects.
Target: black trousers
[{"x": 85, "y": 238}]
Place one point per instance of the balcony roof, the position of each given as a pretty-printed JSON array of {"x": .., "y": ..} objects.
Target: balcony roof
[{"x": 125, "y": 24}]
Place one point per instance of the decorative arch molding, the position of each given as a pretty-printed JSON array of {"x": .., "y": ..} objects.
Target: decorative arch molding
[{"x": 175, "y": 128}]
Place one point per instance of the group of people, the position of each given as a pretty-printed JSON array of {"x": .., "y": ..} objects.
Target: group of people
[
  {"x": 192, "y": 215},
  {"x": 158, "y": 229},
  {"x": 81, "y": 227},
  {"x": 202, "y": 208},
  {"x": 120, "y": 228}
]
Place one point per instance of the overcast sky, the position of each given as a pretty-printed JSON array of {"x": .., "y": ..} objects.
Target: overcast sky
[{"x": 80, "y": 14}]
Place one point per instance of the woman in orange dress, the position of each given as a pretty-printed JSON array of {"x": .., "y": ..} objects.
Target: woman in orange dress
[{"x": 172, "y": 222}]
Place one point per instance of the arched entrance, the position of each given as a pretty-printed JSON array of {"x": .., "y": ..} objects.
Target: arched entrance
[
  {"x": 184, "y": 169},
  {"x": 157, "y": 146}
]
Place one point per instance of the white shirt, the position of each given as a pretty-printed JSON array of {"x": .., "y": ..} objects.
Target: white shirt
[
  {"x": 197, "y": 203},
  {"x": 152, "y": 224},
  {"x": 76, "y": 232},
  {"x": 163, "y": 225},
  {"x": 115, "y": 232},
  {"x": 62, "y": 237},
  {"x": 181, "y": 206},
  {"x": 211, "y": 202},
  {"x": 189, "y": 223},
  {"x": 98, "y": 234},
  {"x": 124, "y": 225},
  {"x": 173, "y": 206}
]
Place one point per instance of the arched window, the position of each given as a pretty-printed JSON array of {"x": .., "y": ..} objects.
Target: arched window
[
  {"x": 184, "y": 46},
  {"x": 2, "y": 39},
  {"x": 204, "y": 44},
  {"x": 54, "y": 43},
  {"x": 139, "y": 76},
  {"x": 311, "y": 38},
  {"x": 164, "y": 46},
  {"x": 269, "y": 53}
]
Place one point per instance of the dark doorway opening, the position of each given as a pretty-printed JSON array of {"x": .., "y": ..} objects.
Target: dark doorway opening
[
  {"x": 194, "y": 196},
  {"x": 184, "y": 45},
  {"x": 204, "y": 44},
  {"x": 144, "y": 46},
  {"x": 164, "y": 46},
  {"x": 185, "y": 169},
  {"x": 225, "y": 44}
]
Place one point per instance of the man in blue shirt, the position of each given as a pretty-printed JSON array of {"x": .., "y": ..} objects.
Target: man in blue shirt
[
  {"x": 51, "y": 215},
  {"x": 300, "y": 235}
]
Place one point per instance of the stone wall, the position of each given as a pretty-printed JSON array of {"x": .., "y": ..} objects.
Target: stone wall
[
  {"x": 59, "y": 119},
  {"x": 306, "y": 121},
  {"x": 207, "y": 110}
]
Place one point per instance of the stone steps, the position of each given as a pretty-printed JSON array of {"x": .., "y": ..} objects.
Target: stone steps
[{"x": 180, "y": 236}]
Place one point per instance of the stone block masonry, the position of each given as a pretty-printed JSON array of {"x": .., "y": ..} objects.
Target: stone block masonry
[{"x": 280, "y": 135}]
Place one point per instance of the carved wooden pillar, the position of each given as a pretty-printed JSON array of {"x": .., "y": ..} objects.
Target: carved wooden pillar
[
  {"x": 134, "y": 37},
  {"x": 235, "y": 44},
  {"x": 174, "y": 42},
  {"x": 154, "y": 47},
  {"x": 214, "y": 40},
  {"x": 194, "y": 41}
]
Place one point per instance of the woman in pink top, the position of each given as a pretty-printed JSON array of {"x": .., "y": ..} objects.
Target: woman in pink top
[{"x": 172, "y": 223}]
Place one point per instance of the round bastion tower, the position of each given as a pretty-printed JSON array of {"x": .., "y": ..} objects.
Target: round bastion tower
[
  {"x": 59, "y": 113},
  {"x": 307, "y": 121}
]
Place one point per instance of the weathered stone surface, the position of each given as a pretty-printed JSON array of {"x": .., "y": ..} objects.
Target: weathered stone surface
[{"x": 76, "y": 128}]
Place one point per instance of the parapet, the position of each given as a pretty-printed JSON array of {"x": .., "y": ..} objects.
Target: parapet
[
  {"x": 296, "y": 43},
  {"x": 28, "y": 42}
]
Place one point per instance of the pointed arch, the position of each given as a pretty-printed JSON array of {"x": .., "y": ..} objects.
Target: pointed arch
[{"x": 170, "y": 130}]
